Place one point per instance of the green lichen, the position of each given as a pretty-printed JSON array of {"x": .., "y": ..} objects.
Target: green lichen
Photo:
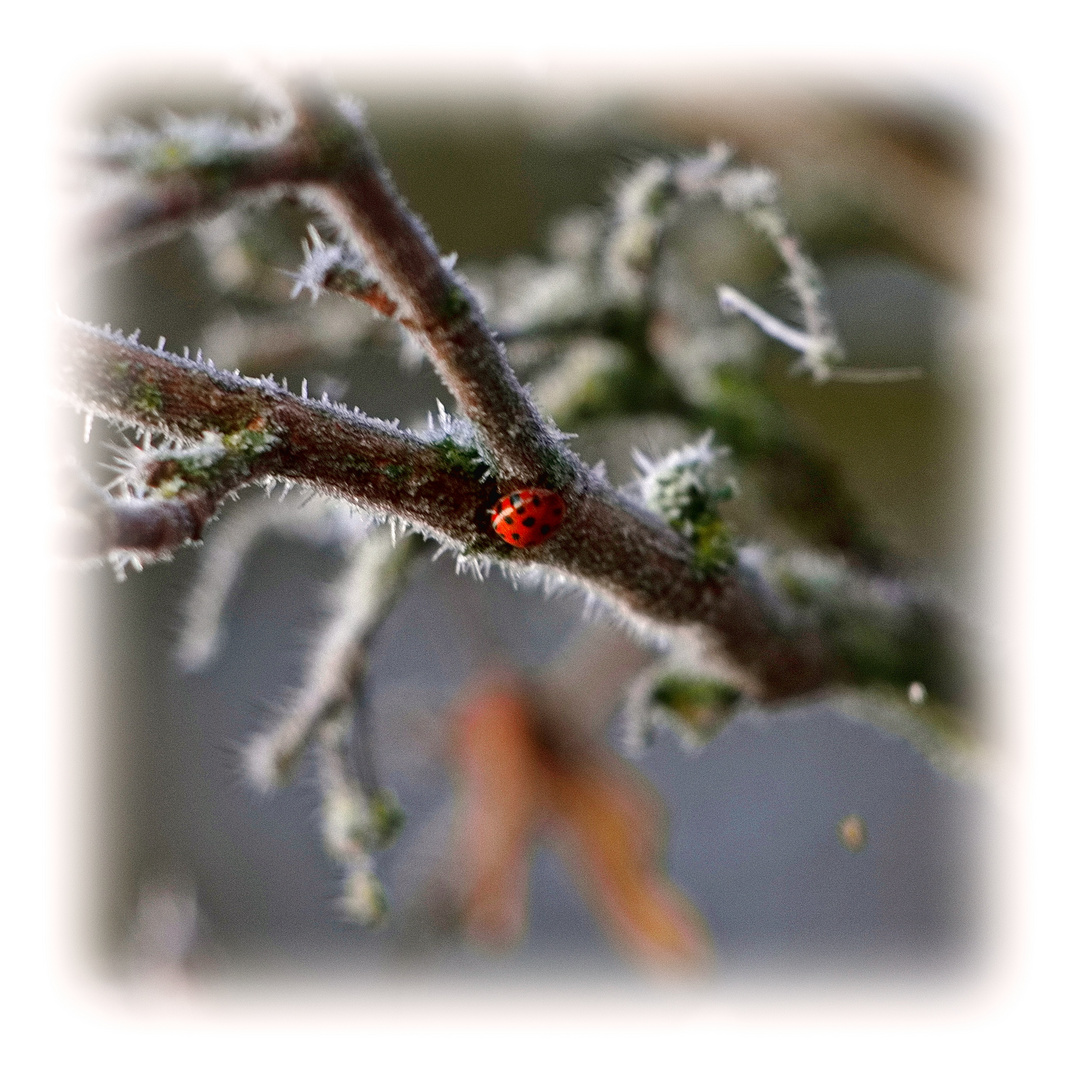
[
  {"x": 146, "y": 398},
  {"x": 696, "y": 706},
  {"x": 459, "y": 458},
  {"x": 387, "y": 819},
  {"x": 685, "y": 488},
  {"x": 248, "y": 441},
  {"x": 714, "y": 545},
  {"x": 455, "y": 302},
  {"x": 215, "y": 462}
]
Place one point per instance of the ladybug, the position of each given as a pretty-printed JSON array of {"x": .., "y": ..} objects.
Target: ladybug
[{"x": 528, "y": 517}]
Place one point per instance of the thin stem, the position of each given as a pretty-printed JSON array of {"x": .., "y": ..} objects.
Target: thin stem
[
  {"x": 361, "y": 599},
  {"x": 733, "y": 300}
]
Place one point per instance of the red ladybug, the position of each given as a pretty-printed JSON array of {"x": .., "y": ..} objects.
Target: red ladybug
[{"x": 528, "y": 517}]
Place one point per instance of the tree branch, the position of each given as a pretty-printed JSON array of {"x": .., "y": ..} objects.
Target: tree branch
[
  {"x": 266, "y": 433},
  {"x": 325, "y": 148},
  {"x": 609, "y": 544},
  {"x": 431, "y": 301}
]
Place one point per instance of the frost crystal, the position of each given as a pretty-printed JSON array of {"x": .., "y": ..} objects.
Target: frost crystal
[{"x": 686, "y": 488}]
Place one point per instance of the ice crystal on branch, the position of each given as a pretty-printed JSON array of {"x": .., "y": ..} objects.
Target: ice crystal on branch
[
  {"x": 687, "y": 488},
  {"x": 335, "y": 267}
]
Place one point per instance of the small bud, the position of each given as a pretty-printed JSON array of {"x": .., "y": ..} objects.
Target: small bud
[
  {"x": 266, "y": 766},
  {"x": 686, "y": 489},
  {"x": 387, "y": 818},
  {"x": 363, "y": 898}
]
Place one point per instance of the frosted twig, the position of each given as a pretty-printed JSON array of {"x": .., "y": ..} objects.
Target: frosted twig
[
  {"x": 223, "y": 556},
  {"x": 430, "y": 299},
  {"x": 265, "y": 433},
  {"x": 733, "y": 300},
  {"x": 649, "y": 203},
  {"x": 359, "y": 601}
]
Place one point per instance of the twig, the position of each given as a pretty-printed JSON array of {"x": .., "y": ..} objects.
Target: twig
[
  {"x": 361, "y": 599},
  {"x": 732, "y": 300},
  {"x": 275, "y": 434},
  {"x": 431, "y": 300}
]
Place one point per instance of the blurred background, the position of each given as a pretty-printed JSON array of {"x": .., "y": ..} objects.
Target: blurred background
[{"x": 197, "y": 874}]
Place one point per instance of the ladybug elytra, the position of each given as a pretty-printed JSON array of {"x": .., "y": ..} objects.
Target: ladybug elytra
[{"x": 528, "y": 517}]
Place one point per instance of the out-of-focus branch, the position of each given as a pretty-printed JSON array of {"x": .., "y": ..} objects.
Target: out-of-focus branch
[
  {"x": 875, "y": 155},
  {"x": 225, "y": 548},
  {"x": 358, "y": 816},
  {"x": 337, "y": 660},
  {"x": 651, "y": 200},
  {"x": 190, "y": 170}
]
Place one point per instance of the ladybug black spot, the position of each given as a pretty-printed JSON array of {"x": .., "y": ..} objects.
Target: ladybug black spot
[
  {"x": 557, "y": 511},
  {"x": 536, "y": 500},
  {"x": 545, "y": 529},
  {"x": 516, "y": 536},
  {"x": 529, "y": 522}
]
